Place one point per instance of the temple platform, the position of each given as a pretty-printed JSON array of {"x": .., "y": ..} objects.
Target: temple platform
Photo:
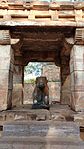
[
  {"x": 57, "y": 112},
  {"x": 56, "y": 128}
]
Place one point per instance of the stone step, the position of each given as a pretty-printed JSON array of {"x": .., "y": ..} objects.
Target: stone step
[
  {"x": 57, "y": 129},
  {"x": 24, "y": 114},
  {"x": 39, "y": 143}
]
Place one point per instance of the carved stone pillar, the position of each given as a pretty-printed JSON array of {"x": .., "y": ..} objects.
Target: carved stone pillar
[
  {"x": 65, "y": 70},
  {"x": 65, "y": 81},
  {"x": 6, "y": 70},
  {"x": 18, "y": 80},
  {"x": 77, "y": 71}
]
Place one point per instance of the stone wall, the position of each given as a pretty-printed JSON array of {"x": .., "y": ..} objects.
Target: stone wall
[
  {"x": 52, "y": 72},
  {"x": 28, "y": 91}
]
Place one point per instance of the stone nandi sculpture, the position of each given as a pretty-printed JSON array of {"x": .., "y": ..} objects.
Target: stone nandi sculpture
[{"x": 41, "y": 94}]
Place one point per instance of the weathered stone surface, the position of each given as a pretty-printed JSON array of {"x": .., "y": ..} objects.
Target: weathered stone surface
[
  {"x": 76, "y": 64},
  {"x": 39, "y": 142},
  {"x": 17, "y": 96},
  {"x": 79, "y": 35},
  {"x": 77, "y": 81},
  {"x": 52, "y": 73},
  {"x": 7, "y": 53},
  {"x": 66, "y": 91},
  {"x": 54, "y": 91},
  {"x": 77, "y": 100},
  {"x": 28, "y": 93},
  {"x": 6, "y": 76},
  {"x": 69, "y": 130},
  {"x": 4, "y": 37},
  {"x": 24, "y": 113},
  {"x": 77, "y": 52},
  {"x": 79, "y": 118},
  {"x": 17, "y": 86}
]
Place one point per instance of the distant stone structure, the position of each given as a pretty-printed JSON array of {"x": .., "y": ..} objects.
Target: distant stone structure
[{"x": 52, "y": 72}]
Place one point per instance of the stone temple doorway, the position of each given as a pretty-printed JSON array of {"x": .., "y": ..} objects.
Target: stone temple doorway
[
  {"x": 43, "y": 44},
  {"x": 49, "y": 44},
  {"x": 41, "y": 32}
]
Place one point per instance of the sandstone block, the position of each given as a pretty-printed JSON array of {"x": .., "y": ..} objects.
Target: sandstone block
[
  {"x": 53, "y": 129},
  {"x": 17, "y": 78},
  {"x": 52, "y": 72},
  {"x": 17, "y": 94},
  {"x": 77, "y": 52},
  {"x": 65, "y": 97},
  {"x": 7, "y": 52},
  {"x": 5, "y": 63},
  {"x": 76, "y": 65},
  {"x": 77, "y": 81},
  {"x": 3, "y": 99},
  {"x": 6, "y": 75},
  {"x": 4, "y": 37},
  {"x": 28, "y": 92},
  {"x": 54, "y": 91},
  {"x": 77, "y": 101},
  {"x": 4, "y": 78}
]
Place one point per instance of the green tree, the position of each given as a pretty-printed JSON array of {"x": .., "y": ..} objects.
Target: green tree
[{"x": 34, "y": 67}]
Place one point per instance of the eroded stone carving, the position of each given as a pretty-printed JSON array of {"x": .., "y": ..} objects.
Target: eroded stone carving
[{"x": 79, "y": 36}]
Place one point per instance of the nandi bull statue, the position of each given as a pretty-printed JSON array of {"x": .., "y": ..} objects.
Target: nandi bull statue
[{"x": 41, "y": 94}]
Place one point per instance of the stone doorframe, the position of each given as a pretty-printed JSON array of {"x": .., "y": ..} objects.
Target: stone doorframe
[{"x": 76, "y": 53}]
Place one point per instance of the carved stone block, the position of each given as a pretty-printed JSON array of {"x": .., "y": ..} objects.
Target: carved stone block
[
  {"x": 52, "y": 72},
  {"x": 4, "y": 37},
  {"x": 79, "y": 36},
  {"x": 77, "y": 101},
  {"x": 77, "y": 80}
]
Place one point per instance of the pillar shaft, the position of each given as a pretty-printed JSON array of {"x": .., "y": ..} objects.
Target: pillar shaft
[
  {"x": 18, "y": 85},
  {"x": 77, "y": 77},
  {"x": 6, "y": 70},
  {"x": 65, "y": 81}
]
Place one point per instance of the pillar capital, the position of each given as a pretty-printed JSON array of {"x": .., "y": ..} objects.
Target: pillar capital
[
  {"x": 4, "y": 37},
  {"x": 79, "y": 36}
]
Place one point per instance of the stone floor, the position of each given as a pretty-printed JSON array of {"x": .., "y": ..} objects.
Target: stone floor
[{"x": 26, "y": 128}]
